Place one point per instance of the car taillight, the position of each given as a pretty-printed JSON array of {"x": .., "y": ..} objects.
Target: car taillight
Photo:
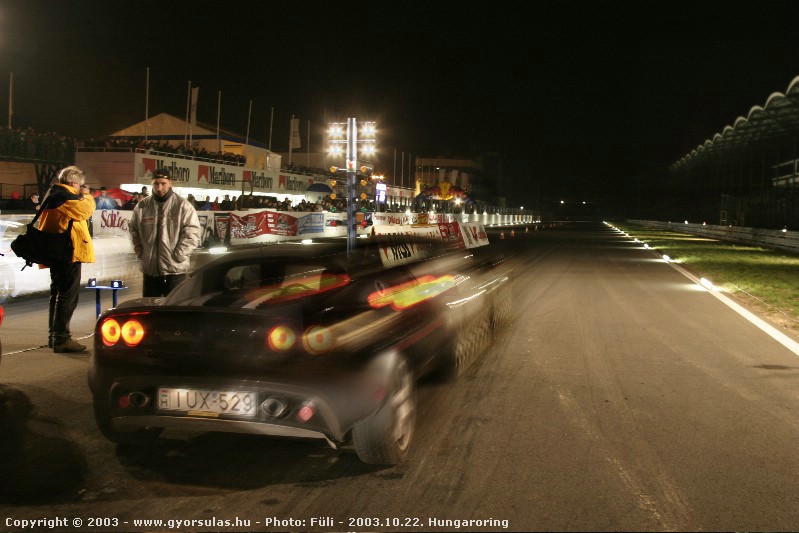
[
  {"x": 110, "y": 332},
  {"x": 131, "y": 332},
  {"x": 281, "y": 338},
  {"x": 317, "y": 339}
]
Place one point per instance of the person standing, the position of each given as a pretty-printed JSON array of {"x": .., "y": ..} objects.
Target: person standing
[
  {"x": 69, "y": 199},
  {"x": 104, "y": 201},
  {"x": 165, "y": 230}
]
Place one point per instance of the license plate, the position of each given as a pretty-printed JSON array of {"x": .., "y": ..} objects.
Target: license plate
[{"x": 209, "y": 403}]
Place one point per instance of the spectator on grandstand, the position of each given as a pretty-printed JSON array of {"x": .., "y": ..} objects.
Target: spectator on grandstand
[
  {"x": 193, "y": 201},
  {"x": 205, "y": 205},
  {"x": 104, "y": 201},
  {"x": 31, "y": 203},
  {"x": 226, "y": 204},
  {"x": 132, "y": 201}
]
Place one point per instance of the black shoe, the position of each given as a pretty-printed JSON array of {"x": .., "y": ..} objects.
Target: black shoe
[{"x": 69, "y": 346}]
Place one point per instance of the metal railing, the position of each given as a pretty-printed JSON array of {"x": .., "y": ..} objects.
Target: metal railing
[{"x": 767, "y": 238}]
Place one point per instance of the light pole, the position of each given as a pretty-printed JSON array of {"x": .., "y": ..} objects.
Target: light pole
[{"x": 336, "y": 140}]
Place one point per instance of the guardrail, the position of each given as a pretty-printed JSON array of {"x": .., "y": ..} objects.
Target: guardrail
[{"x": 779, "y": 239}]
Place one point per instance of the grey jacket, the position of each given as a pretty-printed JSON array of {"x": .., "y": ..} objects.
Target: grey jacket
[{"x": 180, "y": 235}]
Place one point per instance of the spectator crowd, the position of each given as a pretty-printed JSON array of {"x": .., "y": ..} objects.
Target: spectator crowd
[
  {"x": 115, "y": 143},
  {"x": 27, "y": 143}
]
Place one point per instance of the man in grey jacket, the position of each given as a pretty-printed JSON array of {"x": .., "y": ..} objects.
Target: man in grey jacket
[{"x": 165, "y": 230}]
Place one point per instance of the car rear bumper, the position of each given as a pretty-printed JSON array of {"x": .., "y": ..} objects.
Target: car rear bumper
[
  {"x": 317, "y": 406},
  {"x": 129, "y": 423}
]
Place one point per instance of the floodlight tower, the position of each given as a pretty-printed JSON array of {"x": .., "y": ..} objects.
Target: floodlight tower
[{"x": 337, "y": 140}]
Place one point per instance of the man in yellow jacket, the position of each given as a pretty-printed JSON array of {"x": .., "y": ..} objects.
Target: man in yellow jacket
[{"x": 68, "y": 199}]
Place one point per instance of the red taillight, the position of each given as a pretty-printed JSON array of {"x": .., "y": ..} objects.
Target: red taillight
[
  {"x": 281, "y": 338},
  {"x": 131, "y": 332},
  {"x": 110, "y": 331},
  {"x": 317, "y": 339},
  {"x": 306, "y": 412}
]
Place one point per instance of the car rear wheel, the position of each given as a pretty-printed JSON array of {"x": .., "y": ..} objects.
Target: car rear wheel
[
  {"x": 502, "y": 308},
  {"x": 102, "y": 415},
  {"x": 385, "y": 437},
  {"x": 470, "y": 338}
]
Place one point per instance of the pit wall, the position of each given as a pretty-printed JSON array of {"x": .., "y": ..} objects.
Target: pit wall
[
  {"x": 249, "y": 227},
  {"x": 115, "y": 259}
]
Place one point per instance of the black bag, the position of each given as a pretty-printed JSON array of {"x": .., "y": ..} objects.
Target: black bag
[{"x": 36, "y": 246}]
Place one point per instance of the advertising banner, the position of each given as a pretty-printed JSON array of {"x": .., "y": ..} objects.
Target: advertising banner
[
  {"x": 222, "y": 224},
  {"x": 450, "y": 232},
  {"x": 473, "y": 234},
  {"x": 110, "y": 223},
  {"x": 311, "y": 223},
  {"x": 247, "y": 227},
  {"x": 213, "y": 175}
]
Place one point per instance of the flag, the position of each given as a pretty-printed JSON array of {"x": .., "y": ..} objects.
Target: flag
[
  {"x": 195, "y": 93},
  {"x": 295, "y": 133}
]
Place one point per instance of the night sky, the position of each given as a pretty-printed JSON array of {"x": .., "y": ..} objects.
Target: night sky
[{"x": 580, "y": 98}]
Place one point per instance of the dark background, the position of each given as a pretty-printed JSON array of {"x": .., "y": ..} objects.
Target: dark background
[{"x": 581, "y": 99}]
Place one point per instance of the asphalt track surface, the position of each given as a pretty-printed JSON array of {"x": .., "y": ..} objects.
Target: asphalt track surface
[{"x": 622, "y": 397}]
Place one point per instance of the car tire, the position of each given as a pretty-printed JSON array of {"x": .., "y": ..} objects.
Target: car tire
[
  {"x": 385, "y": 437},
  {"x": 502, "y": 308},
  {"x": 102, "y": 415},
  {"x": 469, "y": 340}
]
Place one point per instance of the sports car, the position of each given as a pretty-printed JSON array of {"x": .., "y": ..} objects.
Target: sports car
[{"x": 300, "y": 341}]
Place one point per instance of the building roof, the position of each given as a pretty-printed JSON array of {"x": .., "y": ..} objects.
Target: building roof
[{"x": 775, "y": 121}]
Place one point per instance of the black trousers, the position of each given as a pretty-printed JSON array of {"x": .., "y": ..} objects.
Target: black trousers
[
  {"x": 64, "y": 290},
  {"x": 161, "y": 285}
]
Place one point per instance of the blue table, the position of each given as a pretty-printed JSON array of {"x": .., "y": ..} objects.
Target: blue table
[{"x": 99, "y": 288}]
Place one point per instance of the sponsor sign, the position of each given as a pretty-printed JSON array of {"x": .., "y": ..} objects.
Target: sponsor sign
[
  {"x": 473, "y": 234},
  {"x": 450, "y": 232},
  {"x": 191, "y": 173},
  {"x": 311, "y": 223}
]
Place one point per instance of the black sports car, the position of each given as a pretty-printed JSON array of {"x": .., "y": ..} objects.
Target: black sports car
[{"x": 299, "y": 340}]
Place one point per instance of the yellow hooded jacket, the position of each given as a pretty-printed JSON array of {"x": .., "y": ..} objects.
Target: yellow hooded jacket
[{"x": 65, "y": 204}]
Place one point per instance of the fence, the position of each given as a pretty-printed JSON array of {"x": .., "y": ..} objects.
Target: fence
[{"x": 767, "y": 238}]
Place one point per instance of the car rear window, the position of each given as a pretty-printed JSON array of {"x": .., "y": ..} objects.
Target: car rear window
[{"x": 258, "y": 284}]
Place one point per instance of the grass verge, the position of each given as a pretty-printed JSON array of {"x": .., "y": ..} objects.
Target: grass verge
[{"x": 762, "y": 279}]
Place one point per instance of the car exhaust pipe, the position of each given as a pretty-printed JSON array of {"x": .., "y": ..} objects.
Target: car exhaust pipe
[
  {"x": 138, "y": 399},
  {"x": 274, "y": 407}
]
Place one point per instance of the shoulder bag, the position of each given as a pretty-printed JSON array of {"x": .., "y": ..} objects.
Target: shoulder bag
[{"x": 37, "y": 246}]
